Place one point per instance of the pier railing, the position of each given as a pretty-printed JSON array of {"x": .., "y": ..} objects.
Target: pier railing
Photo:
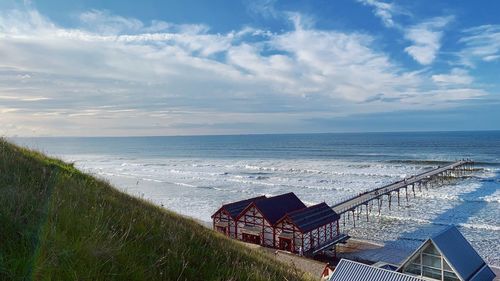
[{"x": 364, "y": 198}]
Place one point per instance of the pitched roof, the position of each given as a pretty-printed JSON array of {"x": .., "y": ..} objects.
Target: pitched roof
[
  {"x": 461, "y": 256},
  {"x": 235, "y": 208},
  {"x": 348, "y": 270},
  {"x": 273, "y": 208},
  {"x": 313, "y": 217}
]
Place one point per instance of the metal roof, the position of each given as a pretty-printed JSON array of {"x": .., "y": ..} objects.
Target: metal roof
[
  {"x": 485, "y": 273},
  {"x": 235, "y": 208},
  {"x": 313, "y": 217},
  {"x": 274, "y": 208},
  {"x": 460, "y": 255},
  {"x": 348, "y": 270}
]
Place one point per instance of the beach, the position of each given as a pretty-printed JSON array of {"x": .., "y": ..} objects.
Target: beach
[{"x": 194, "y": 176}]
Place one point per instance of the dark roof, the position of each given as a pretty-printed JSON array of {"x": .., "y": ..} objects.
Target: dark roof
[
  {"x": 485, "y": 273},
  {"x": 461, "y": 256},
  {"x": 313, "y": 217},
  {"x": 348, "y": 270},
  {"x": 273, "y": 208},
  {"x": 235, "y": 208}
]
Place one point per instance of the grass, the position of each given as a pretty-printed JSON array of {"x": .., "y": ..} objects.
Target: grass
[{"x": 57, "y": 223}]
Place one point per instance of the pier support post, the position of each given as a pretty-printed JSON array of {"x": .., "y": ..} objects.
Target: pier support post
[
  {"x": 389, "y": 195},
  {"x": 367, "y": 218},
  {"x": 398, "y": 198},
  {"x": 353, "y": 219}
]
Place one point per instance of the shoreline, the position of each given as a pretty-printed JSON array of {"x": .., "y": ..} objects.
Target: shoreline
[
  {"x": 365, "y": 251},
  {"x": 356, "y": 249}
]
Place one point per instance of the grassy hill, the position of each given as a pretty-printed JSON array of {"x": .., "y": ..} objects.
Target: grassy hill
[{"x": 57, "y": 223}]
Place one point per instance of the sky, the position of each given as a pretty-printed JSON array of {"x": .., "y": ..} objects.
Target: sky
[{"x": 153, "y": 67}]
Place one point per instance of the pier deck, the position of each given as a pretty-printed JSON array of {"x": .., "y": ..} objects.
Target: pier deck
[{"x": 376, "y": 193}]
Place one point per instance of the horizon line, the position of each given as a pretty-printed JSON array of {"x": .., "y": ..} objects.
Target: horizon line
[{"x": 259, "y": 134}]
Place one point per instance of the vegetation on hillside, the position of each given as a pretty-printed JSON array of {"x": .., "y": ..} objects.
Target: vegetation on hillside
[{"x": 57, "y": 223}]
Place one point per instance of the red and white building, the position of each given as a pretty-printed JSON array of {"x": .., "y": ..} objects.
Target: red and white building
[
  {"x": 224, "y": 220},
  {"x": 256, "y": 222},
  {"x": 281, "y": 222},
  {"x": 307, "y": 229}
]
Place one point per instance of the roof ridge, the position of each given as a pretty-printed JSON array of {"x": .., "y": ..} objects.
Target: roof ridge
[
  {"x": 239, "y": 201},
  {"x": 307, "y": 207},
  {"x": 444, "y": 230}
]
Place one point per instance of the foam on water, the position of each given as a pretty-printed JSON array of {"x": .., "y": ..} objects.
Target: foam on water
[
  {"x": 196, "y": 181},
  {"x": 210, "y": 182}
]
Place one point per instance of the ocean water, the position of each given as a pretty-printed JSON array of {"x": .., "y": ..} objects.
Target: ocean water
[{"x": 195, "y": 175}]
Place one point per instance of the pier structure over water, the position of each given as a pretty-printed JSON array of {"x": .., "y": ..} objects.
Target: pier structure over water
[{"x": 354, "y": 205}]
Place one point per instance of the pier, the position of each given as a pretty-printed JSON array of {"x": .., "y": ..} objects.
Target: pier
[{"x": 354, "y": 205}]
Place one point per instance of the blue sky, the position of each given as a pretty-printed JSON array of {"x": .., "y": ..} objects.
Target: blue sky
[{"x": 118, "y": 68}]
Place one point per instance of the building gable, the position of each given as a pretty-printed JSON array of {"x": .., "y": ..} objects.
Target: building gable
[
  {"x": 448, "y": 253},
  {"x": 274, "y": 208},
  {"x": 234, "y": 209}
]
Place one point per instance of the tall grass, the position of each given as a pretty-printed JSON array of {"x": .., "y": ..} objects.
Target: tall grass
[{"x": 57, "y": 223}]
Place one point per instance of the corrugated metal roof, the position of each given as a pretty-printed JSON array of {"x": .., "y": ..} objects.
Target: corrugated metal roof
[
  {"x": 461, "y": 256},
  {"x": 235, "y": 208},
  {"x": 313, "y": 217},
  {"x": 484, "y": 274},
  {"x": 348, "y": 270},
  {"x": 273, "y": 208}
]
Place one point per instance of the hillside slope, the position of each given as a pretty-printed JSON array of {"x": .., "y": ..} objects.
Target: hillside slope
[{"x": 57, "y": 223}]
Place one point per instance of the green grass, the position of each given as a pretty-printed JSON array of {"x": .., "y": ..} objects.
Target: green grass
[{"x": 57, "y": 223}]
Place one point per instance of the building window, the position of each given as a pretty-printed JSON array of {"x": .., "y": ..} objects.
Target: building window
[
  {"x": 250, "y": 238},
  {"x": 429, "y": 263},
  {"x": 431, "y": 272},
  {"x": 413, "y": 269},
  {"x": 221, "y": 229},
  {"x": 431, "y": 260},
  {"x": 450, "y": 276}
]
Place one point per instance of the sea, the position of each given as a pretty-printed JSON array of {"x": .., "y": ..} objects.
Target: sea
[{"x": 195, "y": 175}]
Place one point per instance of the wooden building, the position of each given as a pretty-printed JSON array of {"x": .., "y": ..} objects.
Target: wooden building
[
  {"x": 307, "y": 229},
  {"x": 281, "y": 222},
  {"x": 224, "y": 220},
  {"x": 256, "y": 222}
]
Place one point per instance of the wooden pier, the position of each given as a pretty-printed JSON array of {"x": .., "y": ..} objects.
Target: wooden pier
[{"x": 355, "y": 204}]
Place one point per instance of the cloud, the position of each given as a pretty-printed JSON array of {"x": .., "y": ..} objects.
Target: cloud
[
  {"x": 426, "y": 38},
  {"x": 457, "y": 76},
  {"x": 382, "y": 10},
  {"x": 263, "y": 8},
  {"x": 120, "y": 76},
  {"x": 104, "y": 22},
  {"x": 482, "y": 43}
]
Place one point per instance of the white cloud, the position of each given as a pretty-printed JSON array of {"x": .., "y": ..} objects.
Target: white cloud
[
  {"x": 119, "y": 76},
  {"x": 104, "y": 22},
  {"x": 457, "y": 76},
  {"x": 426, "y": 38},
  {"x": 382, "y": 10},
  {"x": 264, "y": 8},
  {"x": 482, "y": 43}
]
